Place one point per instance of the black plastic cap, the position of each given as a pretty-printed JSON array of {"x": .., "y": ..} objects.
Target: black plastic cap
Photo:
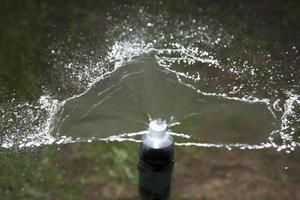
[{"x": 156, "y": 159}]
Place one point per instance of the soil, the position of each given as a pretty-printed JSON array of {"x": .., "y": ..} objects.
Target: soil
[
  {"x": 231, "y": 175},
  {"x": 212, "y": 175}
]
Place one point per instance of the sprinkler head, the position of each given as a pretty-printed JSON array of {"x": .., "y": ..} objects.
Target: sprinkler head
[
  {"x": 156, "y": 149},
  {"x": 158, "y": 128},
  {"x": 157, "y": 137},
  {"x": 156, "y": 161}
]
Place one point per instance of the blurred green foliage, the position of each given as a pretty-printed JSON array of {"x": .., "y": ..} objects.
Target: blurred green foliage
[
  {"x": 27, "y": 31},
  {"x": 54, "y": 172}
]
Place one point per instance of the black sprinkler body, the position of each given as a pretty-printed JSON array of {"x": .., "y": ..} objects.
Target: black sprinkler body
[{"x": 156, "y": 161}]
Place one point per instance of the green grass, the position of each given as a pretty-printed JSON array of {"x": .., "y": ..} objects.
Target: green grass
[{"x": 64, "y": 172}]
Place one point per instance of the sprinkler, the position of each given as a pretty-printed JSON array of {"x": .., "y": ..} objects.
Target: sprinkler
[{"x": 156, "y": 161}]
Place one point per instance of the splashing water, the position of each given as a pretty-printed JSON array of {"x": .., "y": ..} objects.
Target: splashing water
[{"x": 146, "y": 74}]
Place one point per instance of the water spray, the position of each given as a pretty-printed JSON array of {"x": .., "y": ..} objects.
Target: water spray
[{"x": 156, "y": 161}]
